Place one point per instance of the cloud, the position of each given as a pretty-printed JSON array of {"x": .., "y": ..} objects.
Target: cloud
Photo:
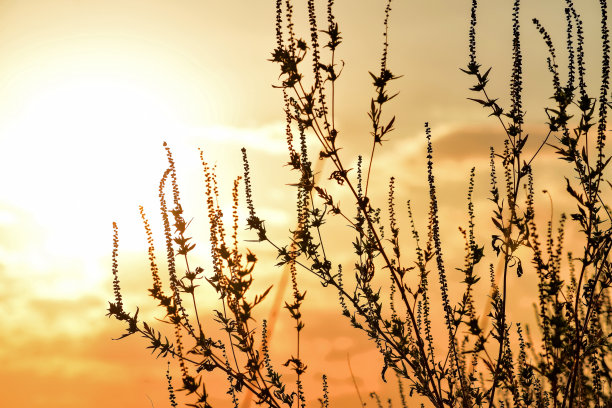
[
  {"x": 462, "y": 142},
  {"x": 474, "y": 142},
  {"x": 95, "y": 371},
  {"x": 269, "y": 138},
  {"x": 91, "y": 371}
]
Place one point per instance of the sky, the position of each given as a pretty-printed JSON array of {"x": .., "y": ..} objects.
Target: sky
[{"x": 89, "y": 91}]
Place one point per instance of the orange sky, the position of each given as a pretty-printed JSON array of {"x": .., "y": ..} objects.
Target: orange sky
[{"x": 90, "y": 89}]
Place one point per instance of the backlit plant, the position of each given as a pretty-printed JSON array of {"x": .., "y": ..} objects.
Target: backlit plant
[{"x": 481, "y": 365}]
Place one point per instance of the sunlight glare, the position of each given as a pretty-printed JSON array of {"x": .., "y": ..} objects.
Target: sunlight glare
[{"x": 95, "y": 144}]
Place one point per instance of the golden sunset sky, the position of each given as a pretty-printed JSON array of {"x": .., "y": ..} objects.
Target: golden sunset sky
[{"x": 89, "y": 90}]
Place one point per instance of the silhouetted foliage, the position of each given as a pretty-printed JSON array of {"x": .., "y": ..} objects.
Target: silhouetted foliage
[{"x": 480, "y": 366}]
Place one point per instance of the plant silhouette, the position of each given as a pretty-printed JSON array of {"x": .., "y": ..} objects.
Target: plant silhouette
[{"x": 567, "y": 365}]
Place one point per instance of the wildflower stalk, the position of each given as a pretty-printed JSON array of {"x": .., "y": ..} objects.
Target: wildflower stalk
[{"x": 570, "y": 366}]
